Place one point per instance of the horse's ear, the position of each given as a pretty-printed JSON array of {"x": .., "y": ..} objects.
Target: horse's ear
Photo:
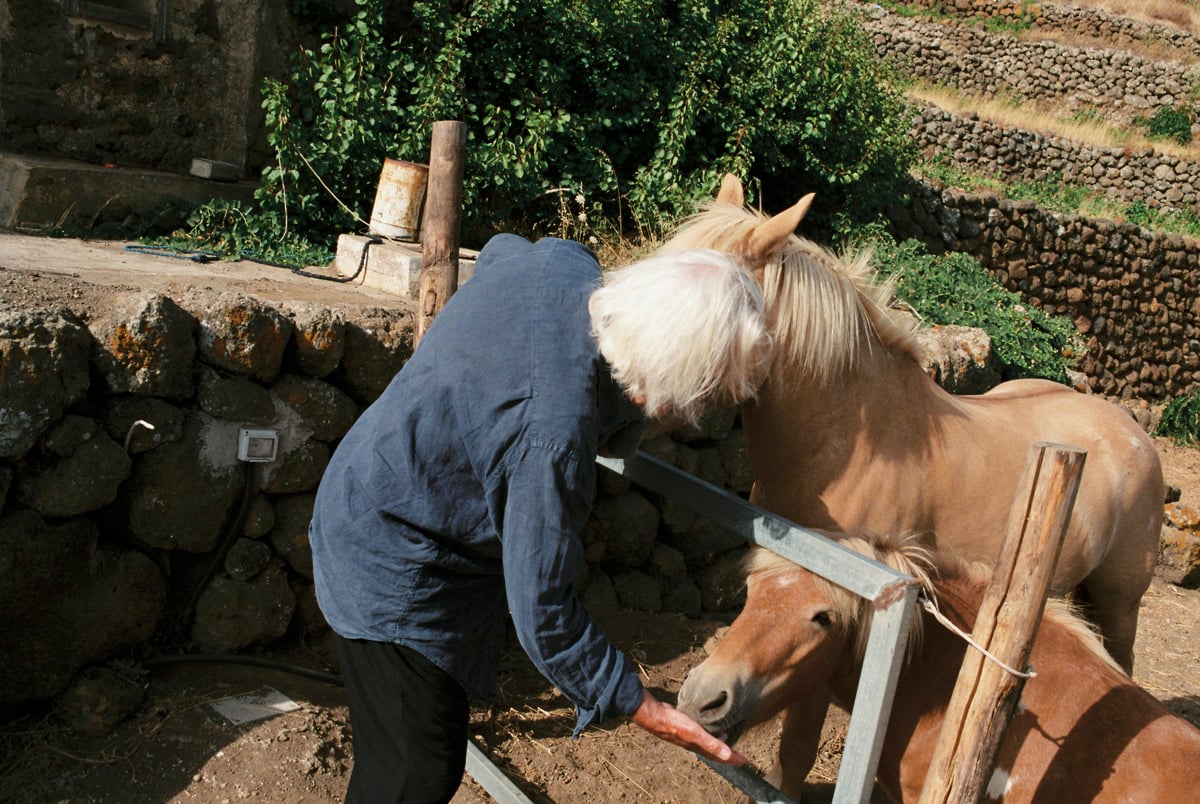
[
  {"x": 768, "y": 237},
  {"x": 731, "y": 191}
]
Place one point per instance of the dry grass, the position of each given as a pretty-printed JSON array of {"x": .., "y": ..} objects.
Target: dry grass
[
  {"x": 1151, "y": 49},
  {"x": 1029, "y": 116},
  {"x": 619, "y": 252},
  {"x": 1180, "y": 13}
]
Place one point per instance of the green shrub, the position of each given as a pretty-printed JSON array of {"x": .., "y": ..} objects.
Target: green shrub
[
  {"x": 1008, "y": 25},
  {"x": 954, "y": 288},
  {"x": 1181, "y": 419},
  {"x": 223, "y": 229},
  {"x": 1169, "y": 123},
  {"x": 636, "y": 108}
]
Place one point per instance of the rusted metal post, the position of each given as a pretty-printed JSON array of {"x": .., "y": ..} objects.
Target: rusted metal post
[
  {"x": 986, "y": 694},
  {"x": 442, "y": 222}
]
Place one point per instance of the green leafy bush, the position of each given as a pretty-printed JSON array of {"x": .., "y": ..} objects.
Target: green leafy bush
[
  {"x": 1170, "y": 123},
  {"x": 638, "y": 108},
  {"x": 954, "y": 288},
  {"x": 1181, "y": 419},
  {"x": 223, "y": 229}
]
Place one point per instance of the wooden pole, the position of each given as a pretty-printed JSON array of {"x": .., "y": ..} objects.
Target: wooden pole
[
  {"x": 985, "y": 695},
  {"x": 441, "y": 223}
]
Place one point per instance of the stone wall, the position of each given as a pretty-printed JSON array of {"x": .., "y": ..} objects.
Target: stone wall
[
  {"x": 1116, "y": 31},
  {"x": 1135, "y": 294},
  {"x": 127, "y": 518},
  {"x": 121, "y": 493},
  {"x": 76, "y": 85},
  {"x": 1157, "y": 179},
  {"x": 128, "y": 525},
  {"x": 1110, "y": 83}
]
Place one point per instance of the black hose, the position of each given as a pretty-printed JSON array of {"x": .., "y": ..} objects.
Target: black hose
[
  {"x": 231, "y": 534},
  {"x": 372, "y": 239}
]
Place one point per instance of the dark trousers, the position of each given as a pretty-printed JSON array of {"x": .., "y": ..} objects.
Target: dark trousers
[{"x": 409, "y": 722}]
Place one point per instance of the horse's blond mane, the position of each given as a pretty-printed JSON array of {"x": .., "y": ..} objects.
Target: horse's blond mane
[
  {"x": 822, "y": 307},
  {"x": 912, "y": 554}
]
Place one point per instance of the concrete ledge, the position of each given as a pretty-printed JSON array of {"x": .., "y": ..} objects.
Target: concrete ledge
[
  {"x": 39, "y": 193},
  {"x": 389, "y": 265}
]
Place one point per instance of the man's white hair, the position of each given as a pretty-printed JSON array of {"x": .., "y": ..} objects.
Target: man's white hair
[{"x": 686, "y": 330}]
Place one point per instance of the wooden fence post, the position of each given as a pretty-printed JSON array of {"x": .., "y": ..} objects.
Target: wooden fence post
[
  {"x": 441, "y": 223},
  {"x": 985, "y": 695}
]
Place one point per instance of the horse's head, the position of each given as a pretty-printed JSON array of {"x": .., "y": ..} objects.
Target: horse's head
[
  {"x": 796, "y": 634},
  {"x": 789, "y": 640},
  {"x": 727, "y": 225},
  {"x": 823, "y": 309}
]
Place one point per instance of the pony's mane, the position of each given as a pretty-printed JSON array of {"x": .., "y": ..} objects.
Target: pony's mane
[
  {"x": 912, "y": 554},
  {"x": 821, "y": 306}
]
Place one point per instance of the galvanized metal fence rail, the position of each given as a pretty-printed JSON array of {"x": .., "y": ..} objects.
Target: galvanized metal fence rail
[{"x": 892, "y": 594}]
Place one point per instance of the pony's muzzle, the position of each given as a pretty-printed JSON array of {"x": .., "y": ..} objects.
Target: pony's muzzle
[{"x": 711, "y": 699}]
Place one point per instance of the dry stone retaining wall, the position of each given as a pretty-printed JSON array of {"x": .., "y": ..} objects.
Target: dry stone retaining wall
[
  {"x": 1115, "y": 30},
  {"x": 126, "y": 517},
  {"x": 1014, "y": 155},
  {"x": 1135, "y": 294},
  {"x": 1111, "y": 83}
]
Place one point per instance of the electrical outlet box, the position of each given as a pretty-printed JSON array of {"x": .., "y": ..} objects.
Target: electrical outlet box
[{"x": 257, "y": 446}]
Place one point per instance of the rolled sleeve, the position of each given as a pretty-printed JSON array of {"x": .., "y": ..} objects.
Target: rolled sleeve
[{"x": 548, "y": 500}]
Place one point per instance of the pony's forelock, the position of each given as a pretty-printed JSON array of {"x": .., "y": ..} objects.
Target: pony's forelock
[{"x": 912, "y": 555}]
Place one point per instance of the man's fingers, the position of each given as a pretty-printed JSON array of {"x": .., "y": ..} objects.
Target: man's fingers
[
  {"x": 691, "y": 735},
  {"x": 668, "y": 723},
  {"x": 718, "y": 751}
]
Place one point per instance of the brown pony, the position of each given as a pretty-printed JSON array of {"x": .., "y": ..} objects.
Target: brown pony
[
  {"x": 1083, "y": 730},
  {"x": 850, "y": 433}
]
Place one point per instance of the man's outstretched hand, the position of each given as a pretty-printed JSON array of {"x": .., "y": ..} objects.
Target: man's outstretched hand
[{"x": 668, "y": 723}]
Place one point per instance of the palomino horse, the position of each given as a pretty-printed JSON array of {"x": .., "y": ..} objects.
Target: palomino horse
[
  {"x": 1083, "y": 731},
  {"x": 848, "y": 432}
]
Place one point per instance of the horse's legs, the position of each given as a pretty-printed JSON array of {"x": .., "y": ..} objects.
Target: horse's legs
[
  {"x": 1115, "y": 614},
  {"x": 1114, "y": 588},
  {"x": 801, "y": 736}
]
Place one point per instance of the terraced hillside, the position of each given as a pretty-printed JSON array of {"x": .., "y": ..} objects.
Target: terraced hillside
[
  {"x": 1057, "y": 148},
  {"x": 1053, "y": 100}
]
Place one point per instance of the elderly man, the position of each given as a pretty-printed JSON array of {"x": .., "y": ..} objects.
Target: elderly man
[{"x": 458, "y": 497}]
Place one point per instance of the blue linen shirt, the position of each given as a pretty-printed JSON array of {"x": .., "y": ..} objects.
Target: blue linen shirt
[{"x": 459, "y": 495}]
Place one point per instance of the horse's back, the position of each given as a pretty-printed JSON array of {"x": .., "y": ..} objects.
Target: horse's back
[
  {"x": 1118, "y": 508},
  {"x": 1045, "y": 411}
]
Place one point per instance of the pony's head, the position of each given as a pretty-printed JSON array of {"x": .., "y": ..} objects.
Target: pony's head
[
  {"x": 796, "y": 633},
  {"x": 823, "y": 309},
  {"x": 799, "y": 634}
]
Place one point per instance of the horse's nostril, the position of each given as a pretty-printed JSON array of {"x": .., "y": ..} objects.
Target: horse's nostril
[
  {"x": 715, "y": 708},
  {"x": 716, "y": 705}
]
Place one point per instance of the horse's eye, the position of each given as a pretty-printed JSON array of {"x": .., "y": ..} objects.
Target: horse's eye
[{"x": 823, "y": 619}]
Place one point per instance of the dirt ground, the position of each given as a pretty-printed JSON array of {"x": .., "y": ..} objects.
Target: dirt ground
[{"x": 178, "y": 748}]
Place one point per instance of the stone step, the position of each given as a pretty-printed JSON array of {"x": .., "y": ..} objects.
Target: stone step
[
  {"x": 390, "y": 265},
  {"x": 39, "y": 193}
]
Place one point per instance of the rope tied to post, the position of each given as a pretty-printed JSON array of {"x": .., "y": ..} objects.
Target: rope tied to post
[{"x": 930, "y": 606}]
